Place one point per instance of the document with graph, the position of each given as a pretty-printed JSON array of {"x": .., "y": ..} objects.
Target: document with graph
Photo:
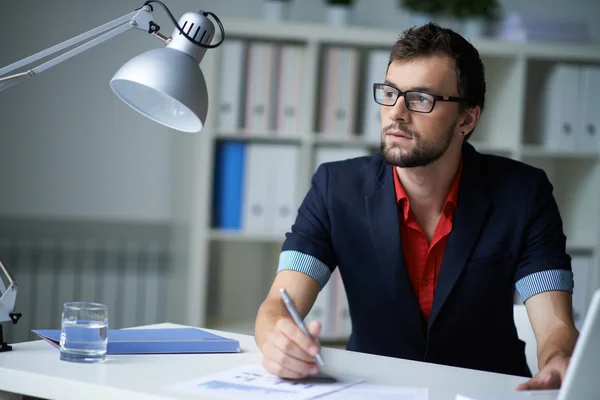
[{"x": 254, "y": 382}]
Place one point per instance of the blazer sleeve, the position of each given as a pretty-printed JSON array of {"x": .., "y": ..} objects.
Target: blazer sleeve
[
  {"x": 544, "y": 264},
  {"x": 308, "y": 247}
]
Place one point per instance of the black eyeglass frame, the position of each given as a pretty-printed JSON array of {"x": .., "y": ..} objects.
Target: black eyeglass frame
[{"x": 436, "y": 97}]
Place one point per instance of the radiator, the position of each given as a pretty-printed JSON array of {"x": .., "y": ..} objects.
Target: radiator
[{"x": 124, "y": 267}]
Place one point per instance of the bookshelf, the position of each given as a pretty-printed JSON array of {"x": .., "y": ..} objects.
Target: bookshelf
[{"x": 230, "y": 271}]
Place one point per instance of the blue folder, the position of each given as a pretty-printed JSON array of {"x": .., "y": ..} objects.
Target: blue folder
[
  {"x": 157, "y": 341},
  {"x": 229, "y": 185}
]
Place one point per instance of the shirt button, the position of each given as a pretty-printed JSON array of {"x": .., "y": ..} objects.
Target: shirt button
[{"x": 425, "y": 282}]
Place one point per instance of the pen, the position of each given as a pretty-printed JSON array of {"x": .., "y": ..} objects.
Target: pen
[{"x": 294, "y": 313}]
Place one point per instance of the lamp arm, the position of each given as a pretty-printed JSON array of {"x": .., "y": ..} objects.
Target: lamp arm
[
  {"x": 8, "y": 297},
  {"x": 140, "y": 19}
]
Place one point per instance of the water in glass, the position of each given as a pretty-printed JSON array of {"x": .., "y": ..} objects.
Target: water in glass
[{"x": 84, "y": 331}]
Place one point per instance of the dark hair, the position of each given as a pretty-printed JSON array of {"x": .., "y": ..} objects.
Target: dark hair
[{"x": 431, "y": 39}]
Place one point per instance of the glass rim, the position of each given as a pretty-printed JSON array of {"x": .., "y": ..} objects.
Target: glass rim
[{"x": 84, "y": 305}]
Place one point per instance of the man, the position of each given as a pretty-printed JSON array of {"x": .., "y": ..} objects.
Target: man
[{"x": 430, "y": 236}]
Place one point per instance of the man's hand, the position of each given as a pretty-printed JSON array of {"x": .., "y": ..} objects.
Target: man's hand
[
  {"x": 288, "y": 352},
  {"x": 549, "y": 377}
]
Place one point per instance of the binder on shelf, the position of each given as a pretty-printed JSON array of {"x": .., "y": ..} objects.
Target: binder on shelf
[
  {"x": 322, "y": 311},
  {"x": 231, "y": 82},
  {"x": 588, "y": 135},
  {"x": 257, "y": 189},
  {"x": 330, "y": 154},
  {"x": 285, "y": 175},
  {"x": 259, "y": 102},
  {"x": 289, "y": 88},
  {"x": 377, "y": 61},
  {"x": 154, "y": 341},
  {"x": 340, "y": 308},
  {"x": 228, "y": 184},
  {"x": 561, "y": 107},
  {"x": 339, "y": 91},
  {"x": 580, "y": 264}
]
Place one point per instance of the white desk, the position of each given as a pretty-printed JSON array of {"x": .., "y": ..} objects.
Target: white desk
[{"x": 34, "y": 369}]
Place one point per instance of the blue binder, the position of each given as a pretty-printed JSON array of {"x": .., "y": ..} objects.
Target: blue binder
[
  {"x": 228, "y": 185},
  {"x": 157, "y": 341}
]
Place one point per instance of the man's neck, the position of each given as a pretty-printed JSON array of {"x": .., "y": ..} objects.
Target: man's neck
[{"x": 427, "y": 187}]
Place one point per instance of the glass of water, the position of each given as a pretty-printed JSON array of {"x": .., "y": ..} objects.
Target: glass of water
[{"x": 83, "y": 334}]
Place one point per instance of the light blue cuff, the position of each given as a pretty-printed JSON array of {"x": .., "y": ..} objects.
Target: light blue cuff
[
  {"x": 544, "y": 281},
  {"x": 305, "y": 263}
]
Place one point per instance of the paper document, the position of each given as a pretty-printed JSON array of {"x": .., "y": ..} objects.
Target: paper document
[
  {"x": 364, "y": 391},
  {"x": 254, "y": 382}
]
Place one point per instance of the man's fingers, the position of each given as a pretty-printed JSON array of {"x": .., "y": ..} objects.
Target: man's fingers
[
  {"x": 279, "y": 370},
  {"x": 289, "y": 348},
  {"x": 308, "y": 348},
  {"x": 541, "y": 382},
  {"x": 291, "y": 363},
  {"x": 525, "y": 386},
  {"x": 314, "y": 327}
]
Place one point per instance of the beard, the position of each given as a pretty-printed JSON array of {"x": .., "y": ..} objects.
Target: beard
[{"x": 424, "y": 152}]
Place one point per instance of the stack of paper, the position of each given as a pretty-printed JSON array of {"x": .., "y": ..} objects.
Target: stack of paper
[{"x": 254, "y": 382}]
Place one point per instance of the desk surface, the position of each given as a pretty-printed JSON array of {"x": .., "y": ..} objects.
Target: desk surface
[{"x": 34, "y": 368}]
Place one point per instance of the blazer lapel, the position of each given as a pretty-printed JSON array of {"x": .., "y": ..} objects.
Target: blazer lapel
[
  {"x": 469, "y": 218},
  {"x": 382, "y": 212}
]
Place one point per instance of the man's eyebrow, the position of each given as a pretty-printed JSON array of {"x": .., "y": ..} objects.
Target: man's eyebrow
[
  {"x": 424, "y": 89},
  {"x": 421, "y": 88}
]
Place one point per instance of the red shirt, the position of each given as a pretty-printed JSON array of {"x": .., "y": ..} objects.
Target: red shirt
[{"x": 422, "y": 259}]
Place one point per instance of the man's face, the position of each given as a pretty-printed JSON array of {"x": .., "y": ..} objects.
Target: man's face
[{"x": 411, "y": 139}]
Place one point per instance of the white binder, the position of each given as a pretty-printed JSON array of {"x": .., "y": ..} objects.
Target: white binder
[
  {"x": 581, "y": 276},
  {"x": 329, "y": 154},
  {"x": 321, "y": 311},
  {"x": 259, "y": 87},
  {"x": 329, "y": 85},
  {"x": 561, "y": 111},
  {"x": 588, "y": 136},
  {"x": 377, "y": 61},
  {"x": 230, "y": 84},
  {"x": 342, "y": 321},
  {"x": 339, "y": 91},
  {"x": 285, "y": 171},
  {"x": 289, "y": 89},
  {"x": 256, "y": 189}
]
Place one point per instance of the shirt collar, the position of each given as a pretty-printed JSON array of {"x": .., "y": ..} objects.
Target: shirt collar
[{"x": 451, "y": 200}]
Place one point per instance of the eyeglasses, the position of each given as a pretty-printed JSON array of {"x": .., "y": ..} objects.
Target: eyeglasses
[{"x": 415, "y": 100}]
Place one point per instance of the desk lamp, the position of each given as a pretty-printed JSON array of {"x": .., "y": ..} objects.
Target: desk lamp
[{"x": 164, "y": 84}]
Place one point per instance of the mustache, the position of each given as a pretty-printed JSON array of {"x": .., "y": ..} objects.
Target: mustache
[{"x": 404, "y": 129}]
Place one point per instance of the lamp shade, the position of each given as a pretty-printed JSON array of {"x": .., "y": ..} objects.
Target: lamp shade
[{"x": 167, "y": 86}]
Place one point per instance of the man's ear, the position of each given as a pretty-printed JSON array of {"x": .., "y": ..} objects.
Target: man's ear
[{"x": 468, "y": 119}]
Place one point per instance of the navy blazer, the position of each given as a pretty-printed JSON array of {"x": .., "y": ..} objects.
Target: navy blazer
[{"x": 507, "y": 231}]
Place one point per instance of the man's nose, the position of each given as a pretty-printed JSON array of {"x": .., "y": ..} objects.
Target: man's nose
[{"x": 399, "y": 110}]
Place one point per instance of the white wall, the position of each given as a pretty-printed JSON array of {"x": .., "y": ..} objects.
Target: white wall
[{"x": 70, "y": 148}]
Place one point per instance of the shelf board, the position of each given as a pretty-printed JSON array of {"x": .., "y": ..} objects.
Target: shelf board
[
  {"x": 530, "y": 150},
  {"x": 241, "y": 236},
  {"x": 491, "y": 147},
  {"x": 581, "y": 247},
  {"x": 369, "y": 36},
  {"x": 266, "y": 136},
  {"x": 356, "y": 140}
]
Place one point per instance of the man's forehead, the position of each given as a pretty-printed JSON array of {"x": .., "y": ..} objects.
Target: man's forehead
[{"x": 435, "y": 72}]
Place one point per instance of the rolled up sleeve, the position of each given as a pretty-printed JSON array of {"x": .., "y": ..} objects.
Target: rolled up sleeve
[
  {"x": 544, "y": 264},
  {"x": 307, "y": 248}
]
